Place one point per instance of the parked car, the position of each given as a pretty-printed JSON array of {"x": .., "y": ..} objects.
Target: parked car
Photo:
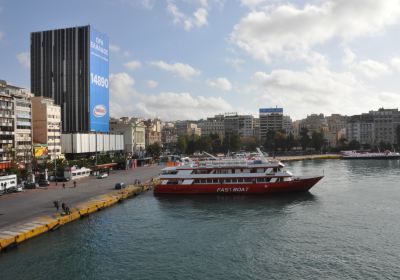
[
  {"x": 58, "y": 179},
  {"x": 43, "y": 182},
  {"x": 31, "y": 185},
  {"x": 102, "y": 176},
  {"x": 119, "y": 186}
]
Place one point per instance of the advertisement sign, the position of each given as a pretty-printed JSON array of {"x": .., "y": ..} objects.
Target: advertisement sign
[
  {"x": 99, "y": 95},
  {"x": 40, "y": 151},
  {"x": 271, "y": 110}
]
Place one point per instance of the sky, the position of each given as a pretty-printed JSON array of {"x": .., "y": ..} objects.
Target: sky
[{"x": 191, "y": 59}]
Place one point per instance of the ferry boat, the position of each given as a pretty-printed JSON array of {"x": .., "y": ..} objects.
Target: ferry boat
[
  {"x": 369, "y": 155},
  {"x": 232, "y": 176}
]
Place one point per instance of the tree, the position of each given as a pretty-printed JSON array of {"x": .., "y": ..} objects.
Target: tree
[
  {"x": 231, "y": 142},
  {"x": 270, "y": 144},
  {"x": 317, "y": 140},
  {"x": 304, "y": 138},
  {"x": 182, "y": 144},
  {"x": 216, "y": 143},
  {"x": 398, "y": 136},
  {"x": 204, "y": 143},
  {"x": 154, "y": 150},
  {"x": 280, "y": 139},
  {"x": 250, "y": 144},
  {"x": 354, "y": 145},
  {"x": 290, "y": 142}
]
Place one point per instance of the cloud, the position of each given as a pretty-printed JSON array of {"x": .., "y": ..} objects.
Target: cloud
[
  {"x": 368, "y": 68},
  {"x": 198, "y": 19},
  {"x": 286, "y": 30},
  {"x": 371, "y": 68},
  {"x": 133, "y": 65},
  {"x": 221, "y": 83},
  {"x": 147, "y": 4},
  {"x": 115, "y": 48},
  {"x": 24, "y": 59},
  {"x": 252, "y": 3},
  {"x": 179, "y": 69},
  {"x": 120, "y": 87},
  {"x": 395, "y": 63},
  {"x": 151, "y": 84},
  {"x": 166, "y": 105},
  {"x": 314, "y": 90}
]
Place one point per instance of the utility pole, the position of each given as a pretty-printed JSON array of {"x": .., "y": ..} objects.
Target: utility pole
[
  {"x": 96, "y": 147},
  {"x": 54, "y": 151}
]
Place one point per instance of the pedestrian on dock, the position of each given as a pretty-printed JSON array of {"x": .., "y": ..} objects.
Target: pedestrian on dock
[
  {"x": 67, "y": 211},
  {"x": 74, "y": 184},
  {"x": 63, "y": 206},
  {"x": 63, "y": 185},
  {"x": 56, "y": 204}
]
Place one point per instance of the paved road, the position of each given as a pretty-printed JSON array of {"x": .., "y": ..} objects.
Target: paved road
[{"x": 21, "y": 207}]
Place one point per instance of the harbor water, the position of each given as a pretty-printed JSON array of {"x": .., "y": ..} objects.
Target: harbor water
[{"x": 346, "y": 227}]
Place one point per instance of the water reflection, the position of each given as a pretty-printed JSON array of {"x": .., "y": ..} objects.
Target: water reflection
[{"x": 234, "y": 204}]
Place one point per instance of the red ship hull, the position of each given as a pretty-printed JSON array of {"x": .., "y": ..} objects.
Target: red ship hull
[{"x": 298, "y": 185}]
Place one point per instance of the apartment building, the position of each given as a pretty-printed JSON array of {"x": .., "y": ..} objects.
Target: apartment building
[{"x": 46, "y": 120}]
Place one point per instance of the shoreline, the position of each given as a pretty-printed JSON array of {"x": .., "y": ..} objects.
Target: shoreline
[
  {"x": 308, "y": 157},
  {"x": 32, "y": 212},
  {"x": 15, "y": 235}
]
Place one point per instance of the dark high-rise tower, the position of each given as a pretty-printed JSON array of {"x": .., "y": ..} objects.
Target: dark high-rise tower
[{"x": 71, "y": 66}]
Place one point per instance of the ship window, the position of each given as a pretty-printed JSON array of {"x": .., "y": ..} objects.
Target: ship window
[
  {"x": 267, "y": 179},
  {"x": 203, "y": 181},
  {"x": 209, "y": 181},
  {"x": 240, "y": 180},
  {"x": 228, "y": 180},
  {"x": 233, "y": 171},
  {"x": 260, "y": 180},
  {"x": 215, "y": 180}
]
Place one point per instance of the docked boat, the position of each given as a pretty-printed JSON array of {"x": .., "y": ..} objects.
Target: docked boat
[
  {"x": 369, "y": 155},
  {"x": 232, "y": 176}
]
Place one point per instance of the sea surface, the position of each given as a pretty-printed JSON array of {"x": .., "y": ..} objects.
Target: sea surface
[{"x": 346, "y": 227}]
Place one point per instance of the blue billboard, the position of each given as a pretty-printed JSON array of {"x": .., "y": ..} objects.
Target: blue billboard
[
  {"x": 99, "y": 95},
  {"x": 271, "y": 110}
]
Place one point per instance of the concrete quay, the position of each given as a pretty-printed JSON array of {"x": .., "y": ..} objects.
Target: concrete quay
[
  {"x": 31, "y": 213},
  {"x": 308, "y": 157}
]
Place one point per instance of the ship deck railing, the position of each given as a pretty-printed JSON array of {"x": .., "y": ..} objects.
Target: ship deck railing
[{"x": 231, "y": 163}]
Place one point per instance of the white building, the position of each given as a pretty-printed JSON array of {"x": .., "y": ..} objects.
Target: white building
[
  {"x": 89, "y": 144},
  {"x": 134, "y": 134},
  {"x": 270, "y": 119}
]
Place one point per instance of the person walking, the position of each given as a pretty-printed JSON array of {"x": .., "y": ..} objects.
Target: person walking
[
  {"x": 63, "y": 185},
  {"x": 56, "y": 204},
  {"x": 74, "y": 184},
  {"x": 63, "y": 206}
]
